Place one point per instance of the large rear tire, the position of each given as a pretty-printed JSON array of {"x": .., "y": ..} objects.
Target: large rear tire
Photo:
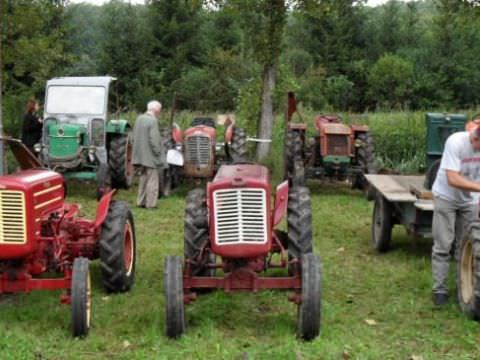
[
  {"x": 118, "y": 248},
  {"x": 120, "y": 160},
  {"x": 431, "y": 174},
  {"x": 81, "y": 297},
  {"x": 293, "y": 151},
  {"x": 468, "y": 273},
  {"x": 299, "y": 222},
  {"x": 174, "y": 305},
  {"x": 238, "y": 146},
  {"x": 382, "y": 223},
  {"x": 196, "y": 234},
  {"x": 309, "y": 310},
  {"x": 366, "y": 161}
]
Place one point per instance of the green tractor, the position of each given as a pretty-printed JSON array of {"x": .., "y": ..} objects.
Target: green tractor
[
  {"x": 439, "y": 127},
  {"x": 79, "y": 140}
]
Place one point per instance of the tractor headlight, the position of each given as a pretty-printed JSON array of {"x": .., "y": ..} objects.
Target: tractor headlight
[
  {"x": 178, "y": 147},
  {"x": 37, "y": 147},
  {"x": 358, "y": 143},
  {"x": 92, "y": 149}
]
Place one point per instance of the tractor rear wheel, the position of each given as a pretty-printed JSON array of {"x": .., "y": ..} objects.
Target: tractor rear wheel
[
  {"x": 104, "y": 184},
  {"x": 431, "y": 174},
  {"x": 165, "y": 182},
  {"x": 174, "y": 307},
  {"x": 382, "y": 223},
  {"x": 468, "y": 273},
  {"x": 366, "y": 160},
  {"x": 118, "y": 248},
  {"x": 196, "y": 234},
  {"x": 293, "y": 150},
  {"x": 120, "y": 160},
  {"x": 299, "y": 222},
  {"x": 238, "y": 147},
  {"x": 309, "y": 310},
  {"x": 81, "y": 297}
]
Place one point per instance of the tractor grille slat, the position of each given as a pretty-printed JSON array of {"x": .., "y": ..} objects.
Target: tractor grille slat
[
  {"x": 240, "y": 216},
  {"x": 12, "y": 217},
  {"x": 337, "y": 145},
  {"x": 197, "y": 150}
]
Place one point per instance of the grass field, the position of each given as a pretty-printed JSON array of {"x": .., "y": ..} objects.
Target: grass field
[{"x": 393, "y": 290}]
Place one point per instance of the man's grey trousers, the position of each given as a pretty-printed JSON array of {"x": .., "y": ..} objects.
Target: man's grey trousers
[{"x": 450, "y": 222}]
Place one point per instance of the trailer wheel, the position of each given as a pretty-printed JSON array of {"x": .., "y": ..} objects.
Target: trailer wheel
[
  {"x": 81, "y": 297},
  {"x": 238, "y": 146},
  {"x": 366, "y": 161},
  {"x": 382, "y": 224},
  {"x": 431, "y": 174},
  {"x": 299, "y": 222},
  {"x": 174, "y": 307},
  {"x": 120, "y": 160},
  {"x": 468, "y": 273},
  {"x": 309, "y": 310},
  {"x": 196, "y": 233},
  {"x": 118, "y": 248}
]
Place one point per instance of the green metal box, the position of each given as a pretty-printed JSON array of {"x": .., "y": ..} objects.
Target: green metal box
[{"x": 439, "y": 127}]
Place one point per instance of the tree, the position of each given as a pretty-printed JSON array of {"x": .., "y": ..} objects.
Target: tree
[{"x": 391, "y": 81}]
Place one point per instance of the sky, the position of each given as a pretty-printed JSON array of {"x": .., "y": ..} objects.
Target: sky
[{"x": 99, "y": 2}]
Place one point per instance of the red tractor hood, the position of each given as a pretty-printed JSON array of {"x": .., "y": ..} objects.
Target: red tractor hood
[
  {"x": 200, "y": 130},
  {"x": 241, "y": 174},
  {"x": 28, "y": 179}
]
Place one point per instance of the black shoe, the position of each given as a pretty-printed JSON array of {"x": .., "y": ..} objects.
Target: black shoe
[{"x": 440, "y": 299}]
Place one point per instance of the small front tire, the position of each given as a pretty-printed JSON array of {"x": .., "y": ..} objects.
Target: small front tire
[
  {"x": 81, "y": 298},
  {"x": 174, "y": 305}
]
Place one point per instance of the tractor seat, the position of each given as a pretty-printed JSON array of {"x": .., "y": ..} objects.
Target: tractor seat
[{"x": 206, "y": 121}]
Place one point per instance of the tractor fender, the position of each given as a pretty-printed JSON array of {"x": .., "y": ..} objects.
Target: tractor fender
[
  {"x": 177, "y": 134},
  {"x": 281, "y": 202},
  {"x": 102, "y": 208},
  {"x": 229, "y": 133},
  {"x": 117, "y": 126},
  {"x": 359, "y": 128}
]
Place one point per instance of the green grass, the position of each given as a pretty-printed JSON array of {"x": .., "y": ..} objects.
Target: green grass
[{"x": 392, "y": 289}]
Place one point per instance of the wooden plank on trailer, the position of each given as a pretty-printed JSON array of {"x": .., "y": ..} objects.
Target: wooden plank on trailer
[{"x": 394, "y": 187}]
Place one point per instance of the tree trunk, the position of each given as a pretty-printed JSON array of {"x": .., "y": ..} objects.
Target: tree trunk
[{"x": 266, "y": 121}]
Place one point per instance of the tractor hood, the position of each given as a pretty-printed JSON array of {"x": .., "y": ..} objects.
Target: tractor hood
[
  {"x": 200, "y": 130},
  {"x": 64, "y": 140},
  {"x": 237, "y": 174}
]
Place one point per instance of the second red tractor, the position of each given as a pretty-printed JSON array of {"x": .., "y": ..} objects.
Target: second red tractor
[{"x": 237, "y": 220}]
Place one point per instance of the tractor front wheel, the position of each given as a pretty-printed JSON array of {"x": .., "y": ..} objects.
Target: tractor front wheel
[
  {"x": 238, "y": 147},
  {"x": 468, "y": 273},
  {"x": 120, "y": 160},
  {"x": 81, "y": 297},
  {"x": 117, "y": 248},
  {"x": 309, "y": 310},
  {"x": 382, "y": 223},
  {"x": 175, "y": 307}
]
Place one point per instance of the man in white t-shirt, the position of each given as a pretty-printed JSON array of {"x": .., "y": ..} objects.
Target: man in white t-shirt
[{"x": 457, "y": 178}]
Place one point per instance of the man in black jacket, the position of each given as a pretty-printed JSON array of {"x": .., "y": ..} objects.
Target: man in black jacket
[{"x": 32, "y": 125}]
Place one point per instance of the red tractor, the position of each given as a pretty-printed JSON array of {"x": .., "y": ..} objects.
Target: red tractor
[
  {"x": 46, "y": 245},
  {"x": 236, "y": 220},
  {"x": 337, "y": 151},
  {"x": 201, "y": 154}
]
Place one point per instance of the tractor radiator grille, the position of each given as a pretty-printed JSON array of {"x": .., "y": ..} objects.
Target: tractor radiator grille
[
  {"x": 240, "y": 216},
  {"x": 197, "y": 150},
  {"x": 337, "y": 145},
  {"x": 12, "y": 217}
]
